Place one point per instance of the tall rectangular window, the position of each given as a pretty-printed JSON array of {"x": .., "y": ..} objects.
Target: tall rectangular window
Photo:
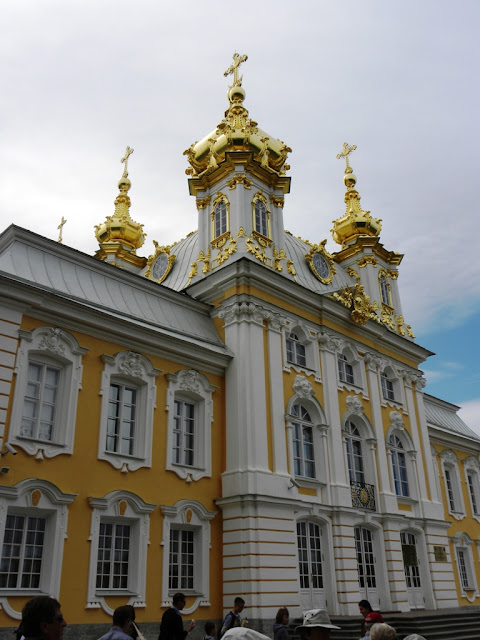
[
  {"x": 38, "y": 416},
  {"x": 122, "y": 408},
  {"x": 473, "y": 493},
  {"x": 113, "y": 556},
  {"x": 181, "y": 560},
  {"x": 345, "y": 370},
  {"x": 463, "y": 568},
  {"x": 22, "y": 552},
  {"x": 184, "y": 432},
  {"x": 450, "y": 489},
  {"x": 387, "y": 387}
]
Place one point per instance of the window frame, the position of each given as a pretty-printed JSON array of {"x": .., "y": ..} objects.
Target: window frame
[
  {"x": 55, "y": 347},
  {"x": 307, "y": 337},
  {"x": 38, "y": 498},
  {"x": 135, "y": 371},
  {"x": 303, "y": 424},
  {"x": 471, "y": 469},
  {"x": 462, "y": 544},
  {"x": 126, "y": 508},
  {"x": 192, "y": 516},
  {"x": 344, "y": 375},
  {"x": 259, "y": 197},
  {"x": 385, "y": 289},
  {"x": 393, "y": 394},
  {"x": 188, "y": 385},
  {"x": 452, "y": 484},
  {"x": 297, "y": 350},
  {"x": 221, "y": 200}
]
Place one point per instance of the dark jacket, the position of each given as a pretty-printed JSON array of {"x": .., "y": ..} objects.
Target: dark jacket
[
  {"x": 280, "y": 632},
  {"x": 171, "y": 627}
]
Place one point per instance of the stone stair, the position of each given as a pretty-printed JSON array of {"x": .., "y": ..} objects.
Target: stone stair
[{"x": 447, "y": 624}]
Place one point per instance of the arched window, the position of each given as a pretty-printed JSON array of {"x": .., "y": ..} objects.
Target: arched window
[
  {"x": 296, "y": 350},
  {"x": 353, "y": 442},
  {"x": 388, "y": 391},
  {"x": 399, "y": 466},
  {"x": 261, "y": 218},
  {"x": 220, "y": 219},
  {"x": 385, "y": 291},
  {"x": 345, "y": 370},
  {"x": 303, "y": 446}
]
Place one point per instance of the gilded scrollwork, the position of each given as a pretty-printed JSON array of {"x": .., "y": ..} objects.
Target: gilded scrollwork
[
  {"x": 227, "y": 251},
  {"x": 321, "y": 263},
  {"x": 277, "y": 201},
  {"x": 160, "y": 263},
  {"x": 239, "y": 178},
  {"x": 202, "y": 203},
  {"x": 258, "y": 250},
  {"x": 368, "y": 259}
]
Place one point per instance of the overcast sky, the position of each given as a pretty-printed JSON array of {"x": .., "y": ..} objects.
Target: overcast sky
[{"x": 81, "y": 80}]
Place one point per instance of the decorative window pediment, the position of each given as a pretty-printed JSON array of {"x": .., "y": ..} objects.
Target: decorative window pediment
[
  {"x": 189, "y": 430},
  {"x": 49, "y": 377},
  {"x": 119, "y": 537},
  {"x": 126, "y": 420}
]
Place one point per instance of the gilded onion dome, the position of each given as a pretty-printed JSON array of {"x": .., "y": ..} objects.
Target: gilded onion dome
[
  {"x": 236, "y": 132},
  {"x": 355, "y": 222},
  {"x": 120, "y": 229}
]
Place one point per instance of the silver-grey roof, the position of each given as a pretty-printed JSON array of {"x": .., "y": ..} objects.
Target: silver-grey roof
[
  {"x": 444, "y": 415},
  {"x": 32, "y": 259},
  {"x": 186, "y": 253}
]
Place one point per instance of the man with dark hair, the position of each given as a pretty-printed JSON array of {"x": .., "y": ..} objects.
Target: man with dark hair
[
  {"x": 42, "y": 618},
  {"x": 122, "y": 618},
  {"x": 233, "y": 619},
  {"x": 171, "y": 627}
]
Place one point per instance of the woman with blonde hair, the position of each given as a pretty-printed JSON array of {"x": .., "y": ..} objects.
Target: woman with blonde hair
[{"x": 382, "y": 631}]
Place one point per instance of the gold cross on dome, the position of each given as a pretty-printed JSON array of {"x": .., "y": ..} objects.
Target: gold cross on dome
[
  {"x": 346, "y": 152},
  {"x": 60, "y": 227},
  {"x": 128, "y": 152},
  {"x": 237, "y": 61}
]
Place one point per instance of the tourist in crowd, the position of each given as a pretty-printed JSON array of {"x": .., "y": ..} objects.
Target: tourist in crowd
[
  {"x": 382, "y": 631},
  {"x": 280, "y": 626}
]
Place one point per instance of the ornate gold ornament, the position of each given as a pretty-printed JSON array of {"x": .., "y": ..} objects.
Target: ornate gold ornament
[
  {"x": 393, "y": 274},
  {"x": 227, "y": 252},
  {"x": 355, "y": 222},
  {"x": 277, "y": 201},
  {"x": 356, "y": 299},
  {"x": 119, "y": 235},
  {"x": 202, "y": 203},
  {"x": 237, "y": 132},
  {"x": 192, "y": 273},
  {"x": 258, "y": 250},
  {"x": 239, "y": 178},
  {"x": 241, "y": 233},
  {"x": 369, "y": 259},
  {"x": 160, "y": 263},
  {"x": 351, "y": 272},
  {"x": 277, "y": 257},
  {"x": 291, "y": 269},
  {"x": 321, "y": 262}
]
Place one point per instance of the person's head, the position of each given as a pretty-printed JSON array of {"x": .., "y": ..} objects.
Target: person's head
[
  {"x": 372, "y": 618},
  {"x": 382, "y": 631},
  {"x": 238, "y": 604},
  {"x": 282, "y": 616},
  {"x": 364, "y": 607},
  {"x": 132, "y": 611},
  {"x": 210, "y": 628},
  {"x": 42, "y": 618},
  {"x": 122, "y": 617},
  {"x": 179, "y": 601},
  {"x": 414, "y": 636},
  {"x": 316, "y": 625}
]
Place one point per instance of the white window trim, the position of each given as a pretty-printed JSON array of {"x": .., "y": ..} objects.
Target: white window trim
[
  {"x": 353, "y": 359},
  {"x": 135, "y": 370},
  {"x": 368, "y": 439},
  {"x": 462, "y": 541},
  {"x": 57, "y": 347},
  {"x": 410, "y": 458},
  {"x": 309, "y": 341},
  {"x": 305, "y": 396},
  {"x": 397, "y": 383},
  {"x": 127, "y": 508},
  {"x": 38, "y": 498},
  {"x": 449, "y": 460},
  {"x": 189, "y": 514},
  {"x": 471, "y": 467},
  {"x": 190, "y": 385}
]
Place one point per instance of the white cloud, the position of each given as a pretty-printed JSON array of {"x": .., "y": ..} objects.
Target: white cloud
[{"x": 470, "y": 413}]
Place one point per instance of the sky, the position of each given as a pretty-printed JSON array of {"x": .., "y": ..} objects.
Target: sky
[{"x": 83, "y": 79}]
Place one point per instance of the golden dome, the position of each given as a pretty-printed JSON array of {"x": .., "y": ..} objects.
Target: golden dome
[
  {"x": 237, "y": 132},
  {"x": 355, "y": 222},
  {"x": 120, "y": 229}
]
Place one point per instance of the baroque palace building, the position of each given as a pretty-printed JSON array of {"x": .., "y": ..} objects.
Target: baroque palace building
[{"x": 241, "y": 413}]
